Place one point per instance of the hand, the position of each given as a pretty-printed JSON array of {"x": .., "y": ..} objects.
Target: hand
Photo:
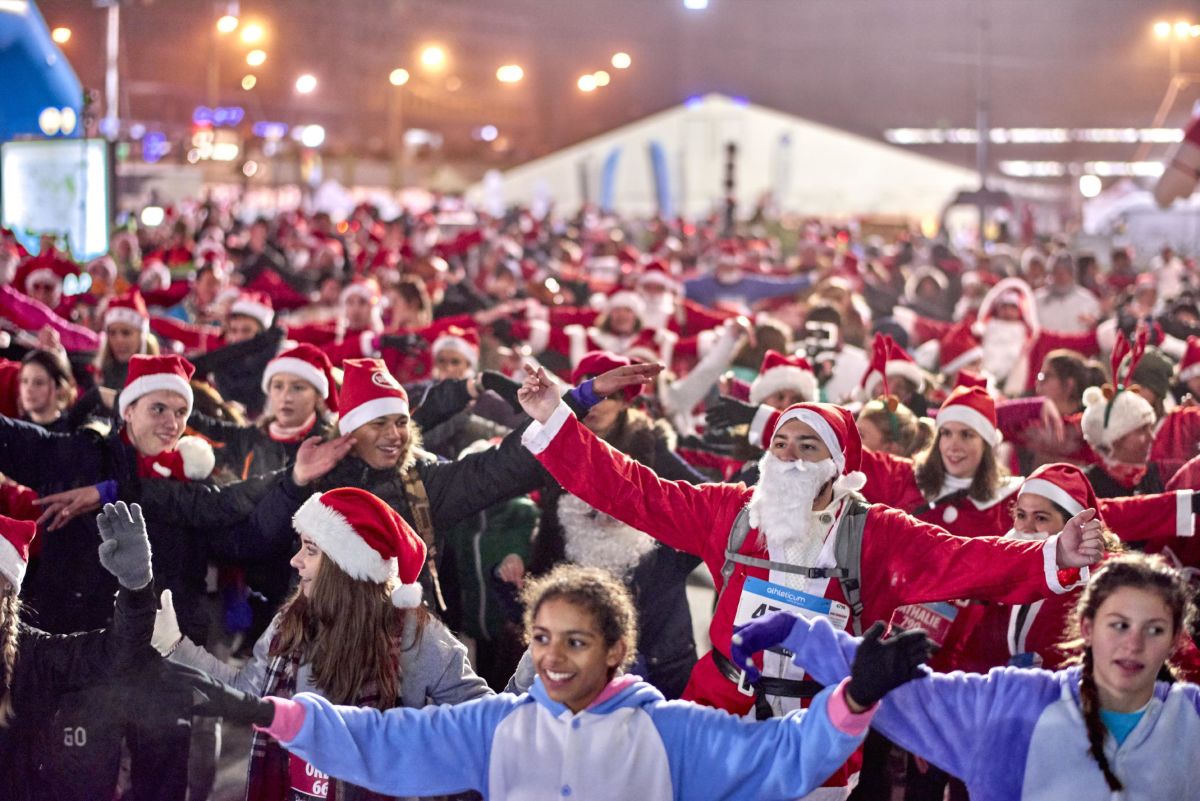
[
  {"x": 316, "y": 458},
  {"x": 512, "y": 570},
  {"x": 881, "y": 666},
  {"x": 62, "y": 507},
  {"x": 759, "y": 635},
  {"x": 618, "y": 378},
  {"x": 1080, "y": 543},
  {"x": 48, "y": 339},
  {"x": 1052, "y": 421},
  {"x": 538, "y": 395},
  {"x": 503, "y": 386},
  {"x": 212, "y": 698},
  {"x": 405, "y": 343},
  {"x": 166, "y": 626},
  {"x": 125, "y": 550},
  {"x": 728, "y": 412}
]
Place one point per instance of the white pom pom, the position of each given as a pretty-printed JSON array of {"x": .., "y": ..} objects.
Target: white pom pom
[
  {"x": 198, "y": 457},
  {"x": 1093, "y": 396},
  {"x": 406, "y": 596}
]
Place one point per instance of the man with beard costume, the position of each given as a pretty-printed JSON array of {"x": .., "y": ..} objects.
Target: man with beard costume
[{"x": 806, "y": 499}]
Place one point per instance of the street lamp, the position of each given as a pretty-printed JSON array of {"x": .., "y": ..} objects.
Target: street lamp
[
  {"x": 61, "y": 35},
  {"x": 398, "y": 77},
  {"x": 510, "y": 73},
  {"x": 1175, "y": 34},
  {"x": 253, "y": 33},
  {"x": 586, "y": 83},
  {"x": 227, "y": 24},
  {"x": 433, "y": 58},
  {"x": 249, "y": 82},
  {"x": 306, "y": 84},
  {"x": 256, "y": 58},
  {"x": 621, "y": 61},
  {"x": 601, "y": 77}
]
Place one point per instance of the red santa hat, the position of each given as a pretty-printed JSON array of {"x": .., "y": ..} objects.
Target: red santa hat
[
  {"x": 128, "y": 308},
  {"x": 625, "y": 299},
  {"x": 1064, "y": 485},
  {"x": 255, "y": 305},
  {"x": 1015, "y": 291},
  {"x": 1189, "y": 367},
  {"x": 975, "y": 409},
  {"x": 837, "y": 430},
  {"x": 780, "y": 372},
  {"x": 49, "y": 267},
  {"x": 896, "y": 363},
  {"x": 656, "y": 274},
  {"x": 15, "y": 536},
  {"x": 598, "y": 362},
  {"x": 365, "y": 537},
  {"x": 368, "y": 391},
  {"x": 464, "y": 342},
  {"x": 307, "y": 362},
  {"x": 153, "y": 373},
  {"x": 154, "y": 275},
  {"x": 959, "y": 348},
  {"x": 966, "y": 378}
]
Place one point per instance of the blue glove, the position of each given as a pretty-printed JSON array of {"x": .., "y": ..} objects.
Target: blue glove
[{"x": 759, "y": 635}]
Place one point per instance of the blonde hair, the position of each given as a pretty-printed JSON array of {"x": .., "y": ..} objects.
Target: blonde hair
[{"x": 10, "y": 617}]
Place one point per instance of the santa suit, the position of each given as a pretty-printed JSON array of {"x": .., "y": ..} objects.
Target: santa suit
[
  {"x": 574, "y": 341},
  {"x": 903, "y": 560}
]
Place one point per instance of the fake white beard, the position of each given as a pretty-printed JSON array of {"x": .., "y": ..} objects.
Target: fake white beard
[
  {"x": 1027, "y": 536},
  {"x": 594, "y": 539},
  {"x": 782, "y": 507},
  {"x": 658, "y": 312},
  {"x": 1003, "y": 344}
]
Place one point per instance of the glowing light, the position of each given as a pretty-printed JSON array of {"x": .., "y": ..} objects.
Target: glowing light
[
  {"x": 50, "y": 121},
  {"x": 601, "y": 78},
  {"x": 433, "y": 58},
  {"x": 621, "y": 61},
  {"x": 67, "y": 117},
  {"x": 256, "y": 58},
  {"x": 312, "y": 136},
  {"x": 253, "y": 33},
  {"x": 586, "y": 83},
  {"x": 249, "y": 82},
  {"x": 227, "y": 24},
  {"x": 1090, "y": 185},
  {"x": 510, "y": 73},
  {"x": 1162, "y": 29},
  {"x": 695, "y": 5},
  {"x": 1183, "y": 29},
  {"x": 306, "y": 84},
  {"x": 61, "y": 35},
  {"x": 398, "y": 77},
  {"x": 453, "y": 83},
  {"x": 250, "y": 168},
  {"x": 153, "y": 216},
  {"x": 488, "y": 133}
]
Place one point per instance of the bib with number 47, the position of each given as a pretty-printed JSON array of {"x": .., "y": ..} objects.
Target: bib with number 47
[{"x": 760, "y": 597}]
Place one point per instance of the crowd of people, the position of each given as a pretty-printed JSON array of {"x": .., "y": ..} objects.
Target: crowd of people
[{"x": 420, "y": 499}]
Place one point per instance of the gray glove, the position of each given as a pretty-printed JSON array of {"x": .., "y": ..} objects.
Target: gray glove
[{"x": 125, "y": 550}]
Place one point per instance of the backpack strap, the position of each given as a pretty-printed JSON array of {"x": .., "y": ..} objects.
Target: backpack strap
[
  {"x": 422, "y": 513},
  {"x": 737, "y": 538},
  {"x": 848, "y": 554}
]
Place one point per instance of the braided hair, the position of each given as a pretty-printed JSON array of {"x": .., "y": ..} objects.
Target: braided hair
[
  {"x": 10, "y": 615},
  {"x": 1142, "y": 572}
]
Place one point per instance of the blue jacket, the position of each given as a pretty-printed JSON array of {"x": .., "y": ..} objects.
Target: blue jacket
[
  {"x": 1018, "y": 733},
  {"x": 631, "y": 744}
]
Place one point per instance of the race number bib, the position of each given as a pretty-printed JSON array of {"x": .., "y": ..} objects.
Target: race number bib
[
  {"x": 760, "y": 597},
  {"x": 306, "y": 781},
  {"x": 935, "y": 619}
]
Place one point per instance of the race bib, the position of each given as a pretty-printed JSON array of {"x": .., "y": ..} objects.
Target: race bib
[
  {"x": 306, "y": 781},
  {"x": 760, "y": 597},
  {"x": 934, "y": 619}
]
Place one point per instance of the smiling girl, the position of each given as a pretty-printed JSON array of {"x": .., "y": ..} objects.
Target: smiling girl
[{"x": 586, "y": 728}]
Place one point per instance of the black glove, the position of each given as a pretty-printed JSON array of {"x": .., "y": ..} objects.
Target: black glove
[
  {"x": 212, "y": 698},
  {"x": 503, "y": 386},
  {"x": 728, "y": 412},
  {"x": 405, "y": 343},
  {"x": 881, "y": 666}
]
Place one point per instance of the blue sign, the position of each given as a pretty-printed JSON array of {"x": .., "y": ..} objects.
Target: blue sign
[
  {"x": 154, "y": 146},
  {"x": 270, "y": 130},
  {"x": 221, "y": 116}
]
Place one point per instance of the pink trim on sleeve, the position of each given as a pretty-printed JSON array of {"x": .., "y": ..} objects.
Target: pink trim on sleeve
[
  {"x": 289, "y": 718},
  {"x": 842, "y": 718}
]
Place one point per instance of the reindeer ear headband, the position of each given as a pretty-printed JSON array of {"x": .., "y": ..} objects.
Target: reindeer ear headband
[
  {"x": 1121, "y": 349},
  {"x": 882, "y": 347}
]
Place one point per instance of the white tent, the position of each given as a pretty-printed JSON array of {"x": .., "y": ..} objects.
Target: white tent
[{"x": 805, "y": 167}]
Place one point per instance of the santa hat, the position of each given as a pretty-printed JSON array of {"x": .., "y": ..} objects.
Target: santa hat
[
  {"x": 152, "y": 373},
  {"x": 975, "y": 409},
  {"x": 625, "y": 299},
  {"x": 959, "y": 348},
  {"x": 154, "y": 275},
  {"x": 925, "y": 271},
  {"x": 656, "y": 274},
  {"x": 895, "y": 362},
  {"x": 1064, "y": 485},
  {"x": 462, "y": 341},
  {"x": 780, "y": 372},
  {"x": 965, "y": 378},
  {"x": 365, "y": 288},
  {"x": 837, "y": 430},
  {"x": 255, "y": 305},
  {"x": 46, "y": 267},
  {"x": 15, "y": 536},
  {"x": 368, "y": 391},
  {"x": 365, "y": 537},
  {"x": 1183, "y": 170},
  {"x": 130, "y": 309},
  {"x": 1189, "y": 367},
  {"x": 598, "y": 362},
  {"x": 1112, "y": 411},
  {"x": 309, "y": 363},
  {"x": 1010, "y": 290}
]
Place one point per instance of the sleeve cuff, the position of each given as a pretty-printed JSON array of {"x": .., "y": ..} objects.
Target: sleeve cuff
[
  {"x": 844, "y": 720},
  {"x": 1185, "y": 518},
  {"x": 539, "y": 335},
  {"x": 368, "y": 343},
  {"x": 289, "y": 719},
  {"x": 537, "y": 436},
  {"x": 758, "y": 425},
  {"x": 1060, "y": 581}
]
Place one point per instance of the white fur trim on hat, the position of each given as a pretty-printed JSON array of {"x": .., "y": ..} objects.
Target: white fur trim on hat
[
  {"x": 364, "y": 413},
  {"x": 332, "y": 533},
  {"x": 906, "y": 369},
  {"x": 823, "y": 430},
  {"x": 43, "y": 273},
  {"x": 407, "y": 596},
  {"x": 627, "y": 300},
  {"x": 12, "y": 566},
  {"x": 300, "y": 369},
  {"x": 127, "y": 316},
  {"x": 1190, "y": 372},
  {"x": 459, "y": 346},
  {"x": 261, "y": 312},
  {"x": 1130, "y": 411},
  {"x": 1052, "y": 492},
  {"x": 785, "y": 376},
  {"x": 198, "y": 457},
  {"x": 363, "y": 291},
  {"x": 153, "y": 383},
  {"x": 972, "y": 419}
]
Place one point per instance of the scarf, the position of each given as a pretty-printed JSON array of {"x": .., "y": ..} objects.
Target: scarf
[
  {"x": 167, "y": 464},
  {"x": 1127, "y": 475},
  {"x": 294, "y": 434},
  {"x": 267, "y": 776}
]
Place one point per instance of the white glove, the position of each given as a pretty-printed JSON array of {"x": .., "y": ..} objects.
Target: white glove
[{"x": 166, "y": 636}]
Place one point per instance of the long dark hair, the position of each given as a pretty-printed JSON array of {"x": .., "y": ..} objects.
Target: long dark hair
[
  {"x": 930, "y": 472},
  {"x": 1143, "y": 572}
]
